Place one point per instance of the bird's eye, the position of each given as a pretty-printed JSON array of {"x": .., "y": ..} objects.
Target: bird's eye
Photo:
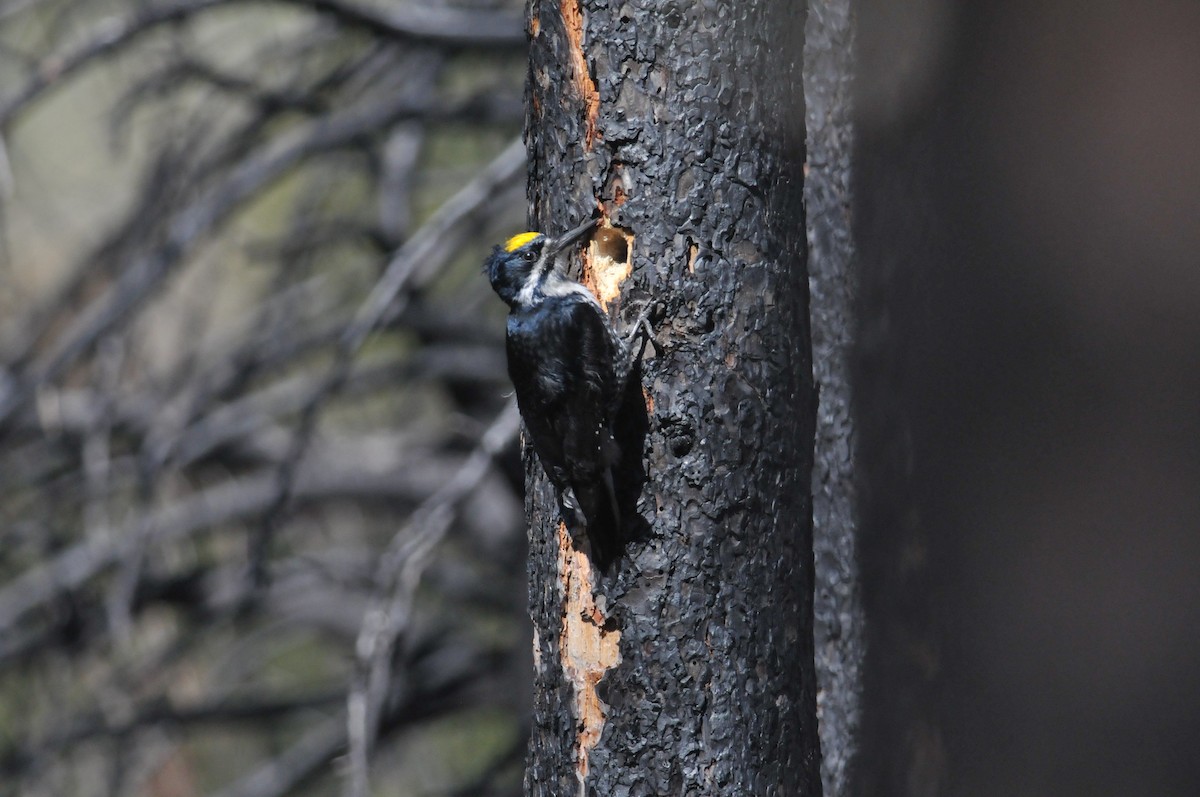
[{"x": 529, "y": 255}]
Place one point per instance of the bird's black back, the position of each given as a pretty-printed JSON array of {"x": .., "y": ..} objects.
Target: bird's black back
[{"x": 560, "y": 359}]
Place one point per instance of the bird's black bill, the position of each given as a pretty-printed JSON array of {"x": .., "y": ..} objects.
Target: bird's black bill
[{"x": 566, "y": 239}]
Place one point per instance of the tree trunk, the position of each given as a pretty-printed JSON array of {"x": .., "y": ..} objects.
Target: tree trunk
[
  {"x": 1025, "y": 207},
  {"x": 838, "y": 614},
  {"x": 688, "y": 667}
]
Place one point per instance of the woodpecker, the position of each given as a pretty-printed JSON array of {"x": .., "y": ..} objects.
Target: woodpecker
[{"x": 567, "y": 365}]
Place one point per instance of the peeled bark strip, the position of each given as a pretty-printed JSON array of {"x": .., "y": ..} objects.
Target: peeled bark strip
[
  {"x": 589, "y": 649},
  {"x": 688, "y": 668}
]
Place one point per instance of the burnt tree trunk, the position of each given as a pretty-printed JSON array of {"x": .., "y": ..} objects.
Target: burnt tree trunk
[
  {"x": 688, "y": 667},
  {"x": 1025, "y": 205},
  {"x": 837, "y": 611}
]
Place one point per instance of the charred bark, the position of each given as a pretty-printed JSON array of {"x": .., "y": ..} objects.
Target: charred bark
[
  {"x": 837, "y": 611},
  {"x": 688, "y": 668}
]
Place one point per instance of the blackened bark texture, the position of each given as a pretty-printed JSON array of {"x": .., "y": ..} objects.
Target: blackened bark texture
[
  {"x": 688, "y": 669},
  {"x": 828, "y": 70}
]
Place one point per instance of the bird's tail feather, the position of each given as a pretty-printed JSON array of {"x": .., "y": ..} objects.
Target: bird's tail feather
[{"x": 602, "y": 516}]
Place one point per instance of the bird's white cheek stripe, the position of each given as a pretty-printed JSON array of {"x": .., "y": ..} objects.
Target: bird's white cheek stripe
[
  {"x": 544, "y": 280},
  {"x": 558, "y": 286},
  {"x": 529, "y": 289}
]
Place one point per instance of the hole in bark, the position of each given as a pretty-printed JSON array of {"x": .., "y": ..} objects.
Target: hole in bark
[
  {"x": 612, "y": 244},
  {"x": 609, "y": 263}
]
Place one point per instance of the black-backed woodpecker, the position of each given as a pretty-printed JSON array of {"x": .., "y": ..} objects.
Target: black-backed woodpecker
[{"x": 565, "y": 361}]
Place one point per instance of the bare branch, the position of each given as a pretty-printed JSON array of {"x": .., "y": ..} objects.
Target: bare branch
[
  {"x": 444, "y": 25},
  {"x": 416, "y": 260},
  {"x": 111, "y": 38},
  {"x": 347, "y": 476},
  {"x": 436, "y": 26},
  {"x": 144, "y": 275},
  {"x": 276, "y": 334},
  {"x": 397, "y": 579}
]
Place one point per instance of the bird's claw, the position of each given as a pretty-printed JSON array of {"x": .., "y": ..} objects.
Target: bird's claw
[{"x": 642, "y": 327}]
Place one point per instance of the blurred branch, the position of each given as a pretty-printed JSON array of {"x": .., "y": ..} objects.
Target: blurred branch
[
  {"x": 299, "y": 762},
  {"x": 396, "y": 583},
  {"x": 443, "y": 25},
  {"x": 111, "y": 38},
  {"x": 14, "y": 762},
  {"x": 438, "y": 238},
  {"x": 276, "y": 334},
  {"x": 13, "y": 7},
  {"x": 466, "y": 681},
  {"x": 344, "y": 476},
  {"x": 136, "y": 282},
  {"x": 417, "y": 259},
  {"x": 268, "y": 100},
  {"x": 431, "y": 26}
]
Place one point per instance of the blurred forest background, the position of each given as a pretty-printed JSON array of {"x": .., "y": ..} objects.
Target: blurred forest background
[
  {"x": 259, "y": 484},
  {"x": 260, "y": 513}
]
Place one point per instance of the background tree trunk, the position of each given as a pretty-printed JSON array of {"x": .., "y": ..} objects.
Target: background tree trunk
[
  {"x": 689, "y": 669},
  {"x": 1026, "y": 198},
  {"x": 838, "y": 615}
]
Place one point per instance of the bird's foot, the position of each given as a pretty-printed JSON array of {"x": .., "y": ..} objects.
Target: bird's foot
[{"x": 642, "y": 326}]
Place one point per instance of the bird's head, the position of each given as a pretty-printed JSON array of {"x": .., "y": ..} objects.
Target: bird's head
[{"x": 521, "y": 264}]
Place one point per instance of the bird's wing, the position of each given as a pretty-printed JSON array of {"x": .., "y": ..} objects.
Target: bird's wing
[
  {"x": 590, "y": 393},
  {"x": 540, "y": 397}
]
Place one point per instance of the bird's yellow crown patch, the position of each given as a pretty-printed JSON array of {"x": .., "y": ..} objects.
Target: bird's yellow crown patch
[{"x": 517, "y": 241}]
